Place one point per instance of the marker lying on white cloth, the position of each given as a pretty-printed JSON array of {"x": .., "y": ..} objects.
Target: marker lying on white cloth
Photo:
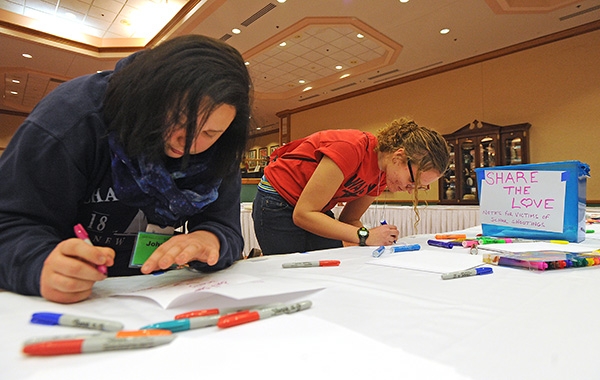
[
  {"x": 467, "y": 273},
  {"x": 307, "y": 264},
  {"x": 255, "y": 315},
  {"x": 75, "y": 321},
  {"x": 95, "y": 344}
]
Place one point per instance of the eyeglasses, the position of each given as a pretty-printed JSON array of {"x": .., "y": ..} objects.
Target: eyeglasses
[{"x": 412, "y": 178}]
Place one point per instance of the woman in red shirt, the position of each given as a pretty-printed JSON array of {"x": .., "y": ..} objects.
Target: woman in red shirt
[{"x": 306, "y": 178}]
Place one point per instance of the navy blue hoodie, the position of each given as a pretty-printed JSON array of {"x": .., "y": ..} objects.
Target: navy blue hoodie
[{"x": 56, "y": 173}]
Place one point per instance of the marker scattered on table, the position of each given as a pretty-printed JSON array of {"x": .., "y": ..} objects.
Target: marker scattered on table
[
  {"x": 437, "y": 243},
  {"x": 75, "y": 321},
  {"x": 185, "y": 324},
  {"x": 255, "y": 315},
  {"x": 467, "y": 273},
  {"x": 95, "y": 344},
  {"x": 82, "y": 234},
  {"x": 118, "y": 334},
  {"x": 308, "y": 264}
]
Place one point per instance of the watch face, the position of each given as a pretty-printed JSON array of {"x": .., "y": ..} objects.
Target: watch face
[{"x": 363, "y": 232}]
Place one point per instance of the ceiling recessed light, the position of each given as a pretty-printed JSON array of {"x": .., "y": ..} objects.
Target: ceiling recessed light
[
  {"x": 404, "y": 1},
  {"x": 247, "y": 63},
  {"x": 445, "y": 31},
  {"x": 360, "y": 35},
  {"x": 236, "y": 31},
  {"x": 307, "y": 88},
  {"x": 301, "y": 81},
  {"x": 283, "y": 44},
  {"x": 27, "y": 55},
  {"x": 281, "y": 1},
  {"x": 344, "y": 76},
  {"x": 16, "y": 81},
  {"x": 339, "y": 67},
  {"x": 14, "y": 93}
]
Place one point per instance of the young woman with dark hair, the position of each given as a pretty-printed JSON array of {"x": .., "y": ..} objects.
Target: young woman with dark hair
[{"x": 153, "y": 146}]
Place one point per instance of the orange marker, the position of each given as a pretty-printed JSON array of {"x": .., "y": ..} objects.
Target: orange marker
[
  {"x": 118, "y": 334},
  {"x": 450, "y": 236}
]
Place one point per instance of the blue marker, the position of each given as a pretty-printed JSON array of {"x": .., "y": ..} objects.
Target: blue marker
[
  {"x": 437, "y": 243},
  {"x": 405, "y": 248},
  {"x": 185, "y": 323},
  {"x": 379, "y": 251},
  {"x": 75, "y": 321}
]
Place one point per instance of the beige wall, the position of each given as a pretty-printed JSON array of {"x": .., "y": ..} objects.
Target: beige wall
[{"x": 555, "y": 87}]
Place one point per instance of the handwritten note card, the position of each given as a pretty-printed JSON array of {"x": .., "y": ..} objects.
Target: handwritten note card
[{"x": 529, "y": 199}]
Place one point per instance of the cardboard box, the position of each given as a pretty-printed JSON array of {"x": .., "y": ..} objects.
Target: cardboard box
[{"x": 544, "y": 201}]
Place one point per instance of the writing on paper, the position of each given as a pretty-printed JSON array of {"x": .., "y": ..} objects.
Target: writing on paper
[{"x": 529, "y": 199}]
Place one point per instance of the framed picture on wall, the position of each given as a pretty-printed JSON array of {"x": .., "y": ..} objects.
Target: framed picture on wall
[
  {"x": 263, "y": 155},
  {"x": 273, "y": 147},
  {"x": 252, "y": 158}
]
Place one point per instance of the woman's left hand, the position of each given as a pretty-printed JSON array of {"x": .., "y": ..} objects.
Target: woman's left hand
[{"x": 201, "y": 246}]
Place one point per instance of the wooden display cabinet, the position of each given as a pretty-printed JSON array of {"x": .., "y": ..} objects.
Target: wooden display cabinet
[{"x": 480, "y": 145}]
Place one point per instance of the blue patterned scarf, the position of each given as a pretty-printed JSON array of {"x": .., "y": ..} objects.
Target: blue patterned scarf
[{"x": 156, "y": 190}]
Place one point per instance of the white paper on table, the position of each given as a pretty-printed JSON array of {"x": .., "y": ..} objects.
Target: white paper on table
[
  {"x": 175, "y": 288},
  {"x": 430, "y": 260}
]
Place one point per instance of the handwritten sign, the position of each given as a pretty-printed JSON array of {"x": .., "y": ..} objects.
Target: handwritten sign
[{"x": 528, "y": 199}]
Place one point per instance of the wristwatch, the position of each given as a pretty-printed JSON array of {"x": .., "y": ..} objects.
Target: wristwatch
[{"x": 363, "y": 234}]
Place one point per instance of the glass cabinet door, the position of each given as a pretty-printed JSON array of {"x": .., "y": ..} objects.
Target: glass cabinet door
[
  {"x": 468, "y": 186},
  {"x": 487, "y": 152},
  {"x": 449, "y": 188},
  {"x": 512, "y": 151}
]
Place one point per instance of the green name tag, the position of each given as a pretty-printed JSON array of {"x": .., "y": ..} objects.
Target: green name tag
[{"x": 145, "y": 244}]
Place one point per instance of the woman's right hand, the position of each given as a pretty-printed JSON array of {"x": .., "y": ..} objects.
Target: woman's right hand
[
  {"x": 70, "y": 271},
  {"x": 386, "y": 234}
]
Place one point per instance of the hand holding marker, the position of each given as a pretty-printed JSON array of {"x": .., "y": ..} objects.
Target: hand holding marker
[{"x": 81, "y": 233}]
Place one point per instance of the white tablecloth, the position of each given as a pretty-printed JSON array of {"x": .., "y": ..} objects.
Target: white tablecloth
[{"x": 368, "y": 321}]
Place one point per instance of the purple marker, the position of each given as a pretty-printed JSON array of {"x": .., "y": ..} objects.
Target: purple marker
[{"x": 442, "y": 244}]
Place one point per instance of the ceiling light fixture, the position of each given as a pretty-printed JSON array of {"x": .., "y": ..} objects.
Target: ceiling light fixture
[
  {"x": 14, "y": 93},
  {"x": 344, "y": 76},
  {"x": 236, "y": 31},
  {"x": 445, "y": 31},
  {"x": 283, "y": 44},
  {"x": 360, "y": 35},
  {"x": 339, "y": 67},
  {"x": 301, "y": 81},
  {"x": 16, "y": 81},
  {"x": 307, "y": 88},
  {"x": 27, "y": 55}
]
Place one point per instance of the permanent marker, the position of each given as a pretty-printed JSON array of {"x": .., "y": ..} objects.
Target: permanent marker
[
  {"x": 307, "y": 264},
  {"x": 75, "y": 321},
  {"x": 467, "y": 273},
  {"x": 255, "y": 315},
  {"x": 405, "y": 248},
  {"x": 81, "y": 233},
  {"x": 450, "y": 236},
  {"x": 207, "y": 312},
  {"x": 118, "y": 334},
  {"x": 379, "y": 251},
  {"x": 95, "y": 344},
  {"x": 185, "y": 324},
  {"x": 442, "y": 244}
]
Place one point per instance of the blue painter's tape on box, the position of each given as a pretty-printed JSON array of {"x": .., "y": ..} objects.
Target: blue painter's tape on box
[{"x": 544, "y": 201}]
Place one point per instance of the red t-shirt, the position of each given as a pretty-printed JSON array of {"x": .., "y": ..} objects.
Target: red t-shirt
[{"x": 353, "y": 151}]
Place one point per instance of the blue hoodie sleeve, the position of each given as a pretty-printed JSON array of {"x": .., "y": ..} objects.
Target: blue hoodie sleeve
[{"x": 222, "y": 218}]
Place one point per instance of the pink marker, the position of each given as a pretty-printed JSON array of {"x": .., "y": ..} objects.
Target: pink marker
[{"x": 81, "y": 233}]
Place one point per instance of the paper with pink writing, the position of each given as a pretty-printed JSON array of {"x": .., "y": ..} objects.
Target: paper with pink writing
[
  {"x": 224, "y": 289},
  {"x": 530, "y": 199}
]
